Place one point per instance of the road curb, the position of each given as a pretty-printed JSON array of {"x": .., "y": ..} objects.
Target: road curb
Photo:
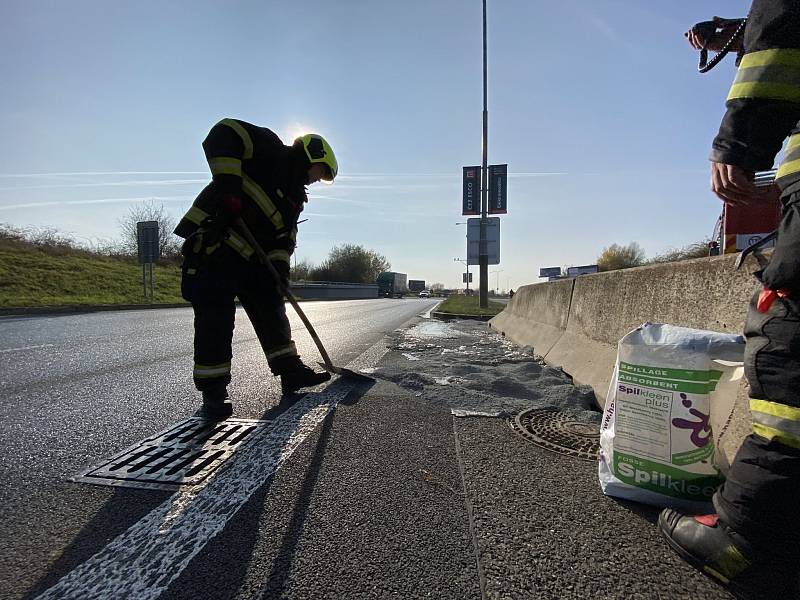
[
  {"x": 450, "y": 316},
  {"x": 71, "y": 309},
  {"x": 77, "y": 308}
]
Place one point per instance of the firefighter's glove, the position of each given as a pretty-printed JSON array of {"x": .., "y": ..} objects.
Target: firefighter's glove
[
  {"x": 216, "y": 227},
  {"x": 232, "y": 206},
  {"x": 230, "y": 209}
]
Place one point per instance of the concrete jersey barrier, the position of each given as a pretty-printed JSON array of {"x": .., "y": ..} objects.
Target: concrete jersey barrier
[{"x": 576, "y": 323}]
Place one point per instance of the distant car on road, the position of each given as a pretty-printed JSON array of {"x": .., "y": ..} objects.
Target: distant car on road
[{"x": 424, "y": 294}]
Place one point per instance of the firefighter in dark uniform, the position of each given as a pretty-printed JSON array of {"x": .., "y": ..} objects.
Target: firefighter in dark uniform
[
  {"x": 755, "y": 535},
  {"x": 257, "y": 177}
]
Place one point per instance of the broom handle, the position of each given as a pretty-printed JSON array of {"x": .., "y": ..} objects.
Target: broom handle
[{"x": 262, "y": 256}]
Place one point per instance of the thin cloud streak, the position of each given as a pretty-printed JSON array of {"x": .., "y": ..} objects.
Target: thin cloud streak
[
  {"x": 554, "y": 174},
  {"x": 105, "y": 184},
  {"x": 327, "y": 199},
  {"x": 96, "y": 201},
  {"x": 396, "y": 186},
  {"x": 99, "y": 173},
  {"x": 456, "y": 176}
]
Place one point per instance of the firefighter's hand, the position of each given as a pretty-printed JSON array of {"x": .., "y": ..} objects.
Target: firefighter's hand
[
  {"x": 232, "y": 206},
  {"x": 282, "y": 269},
  {"x": 733, "y": 185},
  {"x": 698, "y": 36}
]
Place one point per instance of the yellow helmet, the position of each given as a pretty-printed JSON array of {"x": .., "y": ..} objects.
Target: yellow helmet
[{"x": 319, "y": 151}]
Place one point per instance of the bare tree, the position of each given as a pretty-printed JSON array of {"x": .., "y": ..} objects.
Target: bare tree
[
  {"x": 301, "y": 271},
  {"x": 693, "y": 250},
  {"x": 149, "y": 210}
]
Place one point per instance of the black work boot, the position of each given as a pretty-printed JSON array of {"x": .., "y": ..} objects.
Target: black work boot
[
  {"x": 706, "y": 544},
  {"x": 300, "y": 376},
  {"x": 216, "y": 405}
]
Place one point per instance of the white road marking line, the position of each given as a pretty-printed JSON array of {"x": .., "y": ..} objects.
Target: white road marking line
[
  {"x": 427, "y": 315},
  {"x": 143, "y": 561},
  {"x": 27, "y": 348}
]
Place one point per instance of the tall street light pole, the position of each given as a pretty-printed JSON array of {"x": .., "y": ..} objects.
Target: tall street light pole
[
  {"x": 483, "y": 253},
  {"x": 466, "y": 263},
  {"x": 497, "y": 282}
]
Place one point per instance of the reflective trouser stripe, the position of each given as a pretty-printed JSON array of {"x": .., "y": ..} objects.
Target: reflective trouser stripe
[
  {"x": 235, "y": 241},
  {"x": 225, "y": 165},
  {"x": 770, "y": 74},
  {"x": 242, "y": 132},
  {"x": 287, "y": 350},
  {"x": 727, "y": 564},
  {"x": 791, "y": 160},
  {"x": 208, "y": 371},
  {"x": 264, "y": 202},
  {"x": 774, "y": 421}
]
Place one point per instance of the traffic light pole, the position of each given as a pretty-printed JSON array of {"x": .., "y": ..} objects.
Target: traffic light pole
[{"x": 483, "y": 253}]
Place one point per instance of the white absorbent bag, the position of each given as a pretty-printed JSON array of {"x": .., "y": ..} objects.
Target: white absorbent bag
[{"x": 656, "y": 442}]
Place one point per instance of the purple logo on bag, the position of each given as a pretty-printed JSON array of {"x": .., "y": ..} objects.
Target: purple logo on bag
[{"x": 698, "y": 427}]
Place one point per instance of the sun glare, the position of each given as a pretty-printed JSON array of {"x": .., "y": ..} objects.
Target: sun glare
[{"x": 295, "y": 130}]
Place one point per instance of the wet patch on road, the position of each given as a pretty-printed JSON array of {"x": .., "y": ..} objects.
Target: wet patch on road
[{"x": 465, "y": 366}]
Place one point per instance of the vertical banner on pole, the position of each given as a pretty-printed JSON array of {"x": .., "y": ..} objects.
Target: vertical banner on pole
[
  {"x": 471, "y": 200},
  {"x": 498, "y": 184}
]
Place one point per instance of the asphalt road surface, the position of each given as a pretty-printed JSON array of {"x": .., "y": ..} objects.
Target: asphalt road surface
[
  {"x": 352, "y": 491},
  {"x": 79, "y": 388}
]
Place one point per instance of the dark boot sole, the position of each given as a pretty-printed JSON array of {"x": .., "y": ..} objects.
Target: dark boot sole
[
  {"x": 218, "y": 411},
  {"x": 737, "y": 590},
  {"x": 287, "y": 390}
]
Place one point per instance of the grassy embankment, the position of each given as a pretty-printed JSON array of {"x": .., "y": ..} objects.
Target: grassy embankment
[
  {"x": 469, "y": 305},
  {"x": 34, "y": 274}
]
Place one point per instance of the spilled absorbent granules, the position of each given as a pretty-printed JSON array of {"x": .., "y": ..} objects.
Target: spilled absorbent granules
[{"x": 464, "y": 365}]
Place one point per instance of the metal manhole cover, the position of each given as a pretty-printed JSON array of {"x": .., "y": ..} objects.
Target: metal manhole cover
[
  {"x": 183, "y": 454},
  {"x": 558, "y": 432}
]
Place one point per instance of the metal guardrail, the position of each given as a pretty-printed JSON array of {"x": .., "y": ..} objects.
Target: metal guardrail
[
  {"x": 332, "y": 290},
  {"x": 304, "y": 283}
]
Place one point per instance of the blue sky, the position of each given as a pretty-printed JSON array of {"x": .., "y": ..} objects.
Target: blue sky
[{"x": 596, "y": 107}]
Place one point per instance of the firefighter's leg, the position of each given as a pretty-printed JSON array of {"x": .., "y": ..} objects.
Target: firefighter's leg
[
  {"x": 752, "y": 544},
  {"x": 267, "y": 311},
  {"x": 760, "y": 494},
  {"x": 755, "y": 537},
  {"x": 210, "y": 290}
]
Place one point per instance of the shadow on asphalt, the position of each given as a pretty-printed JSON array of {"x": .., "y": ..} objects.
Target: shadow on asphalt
[
  {"x": 229, "y": 553},
  {"x": 282, "y": 565},
  {"x": 647, "y": 512},
  {"x": 221, "y": 569},
  {"x": 123, "y": 509}
]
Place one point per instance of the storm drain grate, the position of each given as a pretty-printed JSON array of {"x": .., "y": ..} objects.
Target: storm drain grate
[
  {"x": 558, "y": 432},
  {"x": 184, "y": 454}
]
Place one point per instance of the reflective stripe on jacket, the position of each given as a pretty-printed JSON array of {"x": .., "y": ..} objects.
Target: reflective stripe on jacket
[
  {"x": 763, "y": 105},
  {"x": 252, "y": 163}
]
